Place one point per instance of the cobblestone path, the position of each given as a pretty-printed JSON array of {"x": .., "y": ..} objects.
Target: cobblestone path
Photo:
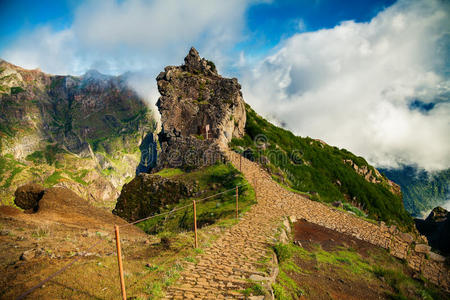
[{"x": 224, "y": 268}]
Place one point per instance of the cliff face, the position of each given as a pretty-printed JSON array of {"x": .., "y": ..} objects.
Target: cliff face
[
  {"x": 201, "y": 112},
  {"x": 78, "y": 132},
  {"x": 436, "y": 227}
]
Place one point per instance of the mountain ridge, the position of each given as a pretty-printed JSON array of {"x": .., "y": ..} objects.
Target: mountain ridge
[{"x": 74, "y": 131}]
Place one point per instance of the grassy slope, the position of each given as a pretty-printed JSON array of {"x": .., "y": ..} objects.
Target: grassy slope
[
  {"x": 377, "y": 268},
  {"x": 211, "y": 180},
  {"x": 307, "y": 165}
]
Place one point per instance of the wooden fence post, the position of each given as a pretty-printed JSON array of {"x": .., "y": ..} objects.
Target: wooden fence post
[
  {"x": 195, "y": 225},
  {"x": 237, "y": 202},
  {"x": 119, "y": 259}
]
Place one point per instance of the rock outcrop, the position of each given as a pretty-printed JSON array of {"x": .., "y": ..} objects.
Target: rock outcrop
[
  {"x": 373, "y": 177},
  {"x": 201, "y": 112},
  {"x": 146, "y": 194},
  {"x": 27, "y": 196},
  {"x": 436, "y": 227}
]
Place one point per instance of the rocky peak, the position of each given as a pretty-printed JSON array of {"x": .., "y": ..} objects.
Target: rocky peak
[
  {"x": 201, "y": 112},
  {"x": 195, "y": 64}
]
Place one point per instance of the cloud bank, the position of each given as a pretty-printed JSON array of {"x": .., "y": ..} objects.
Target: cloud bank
[
  {"x": 119, "y": 36},
  {"x": 140, "y": 36},
  {"x": 380, "y": 89}
]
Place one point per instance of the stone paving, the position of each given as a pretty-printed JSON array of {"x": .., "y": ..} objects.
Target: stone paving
[{"x": 224, "y": 268}]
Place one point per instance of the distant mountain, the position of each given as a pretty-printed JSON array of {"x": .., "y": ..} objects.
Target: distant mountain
[
  {"x": 81, "y": 132},
  {"x": 422, "y": 191}
]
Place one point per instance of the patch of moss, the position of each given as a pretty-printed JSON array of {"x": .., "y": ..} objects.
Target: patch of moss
[{"x": 170, "y": 172}]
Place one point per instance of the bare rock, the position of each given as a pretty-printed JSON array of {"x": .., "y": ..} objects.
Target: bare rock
[
  {"x": 28, "y": 255},
  {"x": 256, "y": 297},
  {"x": 255, "y": 277},
  {"x": 287, "y": 225},
  {"x": 436, "y": 257},
  {"x": 406, "y": 237},
  {"x": 422, "y": 248},
  {"x": 27, "y": 196},
  {"x": 283, "y": 237}
]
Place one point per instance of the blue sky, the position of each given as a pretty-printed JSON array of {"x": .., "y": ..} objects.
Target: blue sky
[
  {"x": 368, "y": 76},
  {"x": 267, "y": 23}
]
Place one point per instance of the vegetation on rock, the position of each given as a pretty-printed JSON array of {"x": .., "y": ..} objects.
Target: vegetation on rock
[{"x": 171, "y": 189}]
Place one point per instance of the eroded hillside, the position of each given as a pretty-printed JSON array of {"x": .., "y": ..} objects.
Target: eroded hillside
[{"x": 69, "y": 131}]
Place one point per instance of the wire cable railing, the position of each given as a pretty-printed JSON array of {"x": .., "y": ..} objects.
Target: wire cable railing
[{"x": 74, "y": 260}]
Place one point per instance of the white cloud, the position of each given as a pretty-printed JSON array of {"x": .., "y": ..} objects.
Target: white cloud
[
  {"x": 119, "y": 36},
  {"x": 352, "y": 85}
]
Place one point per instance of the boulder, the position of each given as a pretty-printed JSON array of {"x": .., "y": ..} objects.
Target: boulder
[
  {"x": 436, "y": 257},
  {"x": 146, "y": 194},
  {"x": 422, "y": 248},
  {"x": 27, "y": 196},
  {"x": 406, "y": 237}
]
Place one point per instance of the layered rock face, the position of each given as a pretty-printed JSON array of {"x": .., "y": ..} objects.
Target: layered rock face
[{"x": 201, "y": 112}]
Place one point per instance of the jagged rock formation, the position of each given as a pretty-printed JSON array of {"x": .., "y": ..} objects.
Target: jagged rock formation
[
  {"x": 146, "y": 194},
  {"x": 79, "y": 132},
  {"x": 201, "y": 112},
  {"x": 372, "y": 175},
  {"x": 436, "y": 227}
]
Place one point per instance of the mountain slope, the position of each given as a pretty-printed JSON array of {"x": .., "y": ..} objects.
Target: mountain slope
[
  {"x": 323, "y": 172},
  {"x": 422, "y": 191},
  {"x": 80, "y": 132}
]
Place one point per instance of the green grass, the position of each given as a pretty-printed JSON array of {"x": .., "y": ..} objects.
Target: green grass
[
  {"x": 14, "y": 172},
  {"x": 349, "y": 264},
  {"x": 37, "y": 157},
  {"x": 308, "y": 166},
  {"x": 355, "y": 210},
  {"x": 16, "y": 90},
  {"x": 170, "y": 172},
  {"x": 255, "y": 289},
  {"x": 54, "y": 179},
  {"x": 211, "y": 180},
  {"x": 401, "y": 284}
]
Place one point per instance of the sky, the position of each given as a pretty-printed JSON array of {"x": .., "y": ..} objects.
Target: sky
[{"x": 368, "y": 76}]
